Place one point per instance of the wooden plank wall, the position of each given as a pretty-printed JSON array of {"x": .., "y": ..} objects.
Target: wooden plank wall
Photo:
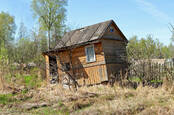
[
  {"x": 115, "y": 51},
  {"x": 115, "y": 55},
  {"x": 86, "y": 73},
  {"x": 114, "y": 34},
  {"x": 63, "y": 58}
]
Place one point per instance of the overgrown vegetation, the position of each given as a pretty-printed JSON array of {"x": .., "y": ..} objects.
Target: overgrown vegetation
[
  {"x": 21, "y": 53},
  {"x": 150, "y": 62},
  {"x": 23, "y": 88},
  {"x": 53, "y": 99},
  {"x": 148, "y": 48}
]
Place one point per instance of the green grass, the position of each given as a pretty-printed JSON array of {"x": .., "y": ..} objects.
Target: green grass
[
  {"x": 50, "y": 111},
  {"x": 32, "y": 81},
  {"x": 156, "y": 81},
  {"x": 135, "y": 79},
  {"x": 59, "y": 109},
  {"x": 7, "y": 98}
]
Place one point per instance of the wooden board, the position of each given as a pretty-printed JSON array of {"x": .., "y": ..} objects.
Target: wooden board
[
  {"x": 114, "y": 51},
  {"x": 85, "y": 73},
  {"x": 47, "y": 67}
]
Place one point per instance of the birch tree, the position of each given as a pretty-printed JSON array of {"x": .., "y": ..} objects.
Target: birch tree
[{"x": 50, "y": 14}]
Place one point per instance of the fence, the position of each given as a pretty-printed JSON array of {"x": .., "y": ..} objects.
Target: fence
[{"x": 149, "y": 72}]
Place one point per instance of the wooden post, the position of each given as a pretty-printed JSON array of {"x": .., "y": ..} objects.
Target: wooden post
[
  {"x": 47, "y": 68},
  {"x": 58, "y": 64},
  {"x": 1, "y": 82}
]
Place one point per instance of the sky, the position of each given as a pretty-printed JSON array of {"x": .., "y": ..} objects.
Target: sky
[{"x": 133, "y": 17}]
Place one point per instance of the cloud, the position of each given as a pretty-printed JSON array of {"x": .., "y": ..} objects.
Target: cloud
[{"x": 153, "y": 10}]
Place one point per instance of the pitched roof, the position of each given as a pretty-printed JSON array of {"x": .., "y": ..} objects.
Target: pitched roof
[{"x": 86, "y": 34}]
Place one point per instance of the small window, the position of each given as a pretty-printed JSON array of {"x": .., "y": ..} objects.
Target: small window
[
  {"x": 111, "y": 29},
  {"x": 66, "y": 66},
  {"x": 90, "y": 53}
]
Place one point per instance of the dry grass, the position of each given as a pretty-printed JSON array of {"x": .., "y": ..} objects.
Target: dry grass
[
  {"x": 143, "y": 100},
  {"x": 99, "y": 100}
]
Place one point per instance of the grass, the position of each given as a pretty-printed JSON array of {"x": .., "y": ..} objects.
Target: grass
[
  {"x": 131, "y": 101},
  {"x": 49, "y": 111},
  {"x": 30, "y": 81},
  {"x": 156, "y": 81},
  {"x": 20, "y": 77},
  {"x": 7, "y": 98},
  {"x": 135, "y": 79},
  {"x": 97, "y": 99},
  {"x": 109, "y": 100},
  {"x": 59, "y": 109}
]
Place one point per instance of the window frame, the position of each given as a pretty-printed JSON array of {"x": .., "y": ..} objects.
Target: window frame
[{"x": 87, "y": 60}]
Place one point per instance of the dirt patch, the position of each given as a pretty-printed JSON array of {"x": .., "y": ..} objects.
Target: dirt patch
[{"x": 29, "y": 106}]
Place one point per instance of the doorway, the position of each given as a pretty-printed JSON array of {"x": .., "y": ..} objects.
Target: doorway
[{"x": 53, "y": 69}]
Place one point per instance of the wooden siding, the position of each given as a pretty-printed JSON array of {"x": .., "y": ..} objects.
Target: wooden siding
[
  {"x": 110, "y": 53},
  {"x": 112, "y": 35},
  {"x": 113, "y": 69},
  {"x": 115, "y": 56},
  {"x": 114, "y": 51},
  {"x": 86, "y": 73}
]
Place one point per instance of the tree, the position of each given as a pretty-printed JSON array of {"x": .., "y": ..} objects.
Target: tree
[
  {"x": 171, "y": 46},
  {"x": 7, "y": 29},
  {"x": 22, "y": 31},
  {"x": 146, "y": 49},
  {"x": 50, "y": 14},
  {"x": 7, "y": 32},
  {"x": 3, "y": 63},
  {"x": 172, "y": 30},
  {"x": 171, "y": 49}
]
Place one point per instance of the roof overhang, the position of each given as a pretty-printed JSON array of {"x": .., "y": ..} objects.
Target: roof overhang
[{"x": 53, "y": 51}]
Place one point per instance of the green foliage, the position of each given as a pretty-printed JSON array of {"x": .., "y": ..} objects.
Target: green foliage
[
  {"x": 135, "y": 79},
  {"x": 51, "y": 111},
  {"x": 24, "y": 51},
  {"x": 171, "y": 49},
  {"x": 29, "y": 49},
  {"x": 7, "y": 28},
  {"x": 146, "y": 49},
  {"x": 51, "y": 16},
  {"x": 3, "y": 58},
  {"x": 30, "y": 81},
  {"x": 6, "y": 98}
]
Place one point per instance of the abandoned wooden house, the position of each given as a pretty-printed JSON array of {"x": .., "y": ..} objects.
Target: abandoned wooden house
[{"x": 89, "y": 54}]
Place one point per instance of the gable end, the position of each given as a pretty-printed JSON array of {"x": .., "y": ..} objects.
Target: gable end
[{"x": 114, "y": 33}]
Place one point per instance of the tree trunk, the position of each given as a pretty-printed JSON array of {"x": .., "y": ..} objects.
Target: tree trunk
[
  {"x": 1, "y": 82},
  {"x": 49, "y": 39}
]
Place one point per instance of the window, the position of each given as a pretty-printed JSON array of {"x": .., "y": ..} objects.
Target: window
[
  {"x": 90, "y": 53},
  {"x": 111, "y": 29},
  {"x": 66, "y": 66}
]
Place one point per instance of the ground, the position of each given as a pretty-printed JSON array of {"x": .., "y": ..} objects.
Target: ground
[{"x": 94, "y": 100}]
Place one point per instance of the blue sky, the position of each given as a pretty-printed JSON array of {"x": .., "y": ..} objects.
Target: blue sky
[{"x": 134, "y": 17}]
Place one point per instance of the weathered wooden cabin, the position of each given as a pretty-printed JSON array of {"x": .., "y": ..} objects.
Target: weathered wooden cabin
[{"x": 90, "y": 54}]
